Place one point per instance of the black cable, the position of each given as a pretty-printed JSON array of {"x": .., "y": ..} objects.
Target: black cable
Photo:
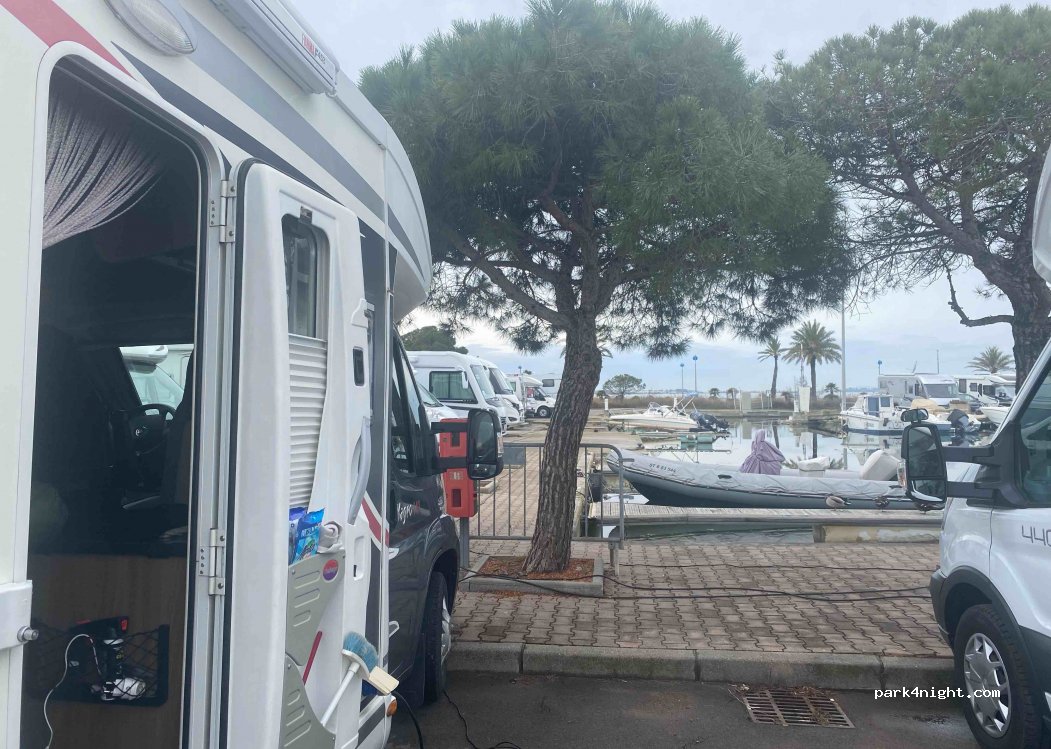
[
  {"x": 402, "y": 701},
  {"x": 837, "y": 568},
  {"x": 467, "y": 733},
  {"x": 873, "y": 594}
]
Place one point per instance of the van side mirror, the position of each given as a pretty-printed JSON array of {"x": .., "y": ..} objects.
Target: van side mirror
[
  {"x": 485, "y": 448},
  {"x": 483, "y": 453},
  {"x": 923, "y": 458}
]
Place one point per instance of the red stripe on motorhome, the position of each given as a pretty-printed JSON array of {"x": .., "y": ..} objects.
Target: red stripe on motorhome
[
  {"x": 52, "y": 25},
  {"x": 375, "y": 525}
]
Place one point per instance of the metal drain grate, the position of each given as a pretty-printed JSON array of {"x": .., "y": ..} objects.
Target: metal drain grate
[{"x": 804, "y": 706}]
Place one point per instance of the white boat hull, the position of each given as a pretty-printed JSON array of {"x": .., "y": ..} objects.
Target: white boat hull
[
  {"x": 673, "y": 423},
  {"x": 995, "y": 414}
]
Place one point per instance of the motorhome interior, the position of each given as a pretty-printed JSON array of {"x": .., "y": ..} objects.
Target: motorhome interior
[{"x": 111, "y": 492}]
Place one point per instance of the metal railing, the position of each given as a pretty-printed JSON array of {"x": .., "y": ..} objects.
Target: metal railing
[{"x": 508, "y": 504}]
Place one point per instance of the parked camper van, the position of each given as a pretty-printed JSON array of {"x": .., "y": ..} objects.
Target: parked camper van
[
  {"x": 990, "y": 592},
  {"x": 461, "y": 382},
  {"x": 183, "y": 173},
  {"x": 551, "y": 383},
  {"x": 904, "y": 387},
  {"x": 505, "y": 392},
  {"x": 989, "y": 389},
  {"x": 535, "y": 398}
]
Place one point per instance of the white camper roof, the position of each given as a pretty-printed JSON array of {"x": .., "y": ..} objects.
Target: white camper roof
[{"x": 935, "y": 378}]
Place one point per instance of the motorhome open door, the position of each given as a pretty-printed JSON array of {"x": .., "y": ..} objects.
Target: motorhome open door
[{"x": 299, "y": 436}]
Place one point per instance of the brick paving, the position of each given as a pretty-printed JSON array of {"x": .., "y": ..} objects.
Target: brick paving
[{"x": 677, "y": 618}]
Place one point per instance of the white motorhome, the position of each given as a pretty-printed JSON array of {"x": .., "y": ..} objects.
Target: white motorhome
[
  {"x": 534, "y": 397},
  {"x": 198, "y": 173},
  {"x": 505, "y": 392},
  {"x": 461, "y": 381},
  {"x": 904, "y": 387},
  {"x": 989, "y": 389},
  {"x": 990, "y": 591}
]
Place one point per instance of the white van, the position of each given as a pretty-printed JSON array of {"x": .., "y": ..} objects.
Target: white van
[
  {"x": 461, "y": 382},
  {"x": 536, "y": 400},
  {"x": 991, "y": 593},
  {"x": 190, "y": 173},
  {"x": 505, "y": 392}
]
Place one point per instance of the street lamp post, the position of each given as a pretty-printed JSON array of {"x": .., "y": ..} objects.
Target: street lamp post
[
  {"x": 695, "y": 373},
  {"x": 682, "y": 377}
]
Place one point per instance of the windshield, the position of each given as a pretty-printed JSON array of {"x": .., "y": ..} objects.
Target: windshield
[
  {"x": 428, "y": 397},
  {"x": 482, "y": 375},
  {"x": 939, "y": 390},
  {"x": 153, "y": 384},
  {"x": 499, "y": 382}
]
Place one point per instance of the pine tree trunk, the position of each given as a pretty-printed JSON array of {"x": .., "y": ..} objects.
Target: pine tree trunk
[
  {"x": 1031, "y": 330},
  {"x": 558, "y": 468},
  {"x": 773, "y": 385}
]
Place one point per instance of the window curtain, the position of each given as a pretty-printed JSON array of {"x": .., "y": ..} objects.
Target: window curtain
[{"x": 101, "y": 160}]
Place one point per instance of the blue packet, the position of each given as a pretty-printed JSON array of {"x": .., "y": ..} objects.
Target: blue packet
[
  {"x": 308, "y": 533},
  {"x": 294, "y": 514}
]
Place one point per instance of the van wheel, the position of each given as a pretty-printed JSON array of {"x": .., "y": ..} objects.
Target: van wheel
[
  {"x": 987, "y": 656},
  {"x": 437, "y": 638},
  {"x": 543, "y": 412}
]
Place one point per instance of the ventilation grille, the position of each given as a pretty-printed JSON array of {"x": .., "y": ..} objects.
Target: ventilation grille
[
  {"x": 802, "y": 706},
  {"x": 308, "y": 366}
]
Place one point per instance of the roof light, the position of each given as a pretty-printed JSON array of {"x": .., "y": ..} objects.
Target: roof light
[{"x": 163, "y": 24}]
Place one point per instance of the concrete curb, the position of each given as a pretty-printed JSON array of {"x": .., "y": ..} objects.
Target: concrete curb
[{"x": 823, "y": 670}]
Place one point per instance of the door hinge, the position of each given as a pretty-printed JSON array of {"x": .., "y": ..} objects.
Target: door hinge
[
  {"x": 223, "y": 211},
  {"x": 210, "y": 560}
]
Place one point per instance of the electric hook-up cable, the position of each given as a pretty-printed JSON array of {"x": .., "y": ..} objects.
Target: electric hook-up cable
[
  {"x": 731, "y": 565},
  {"x": 402, "y": 701},
  {"x": 467, "y": 733},
  {"x": 826, "y": 596},
  {"x": 65, "y": 672}
]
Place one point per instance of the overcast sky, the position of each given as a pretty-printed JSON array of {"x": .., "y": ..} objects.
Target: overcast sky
[{"x": 902, "y": 329}]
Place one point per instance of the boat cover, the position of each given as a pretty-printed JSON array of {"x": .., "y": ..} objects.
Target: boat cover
[
  {"x": 702, "y": 476},
  {"x": 765, "y": 458}
]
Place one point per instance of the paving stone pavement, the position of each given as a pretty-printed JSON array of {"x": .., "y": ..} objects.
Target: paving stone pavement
[{"x": 696, "y": 609}]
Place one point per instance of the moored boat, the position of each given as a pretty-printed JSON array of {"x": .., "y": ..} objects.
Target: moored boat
[
  {"x": 656, "y": 417},
  {"x": 685, "y": 484},
  {"x": 995, "y": 414}
]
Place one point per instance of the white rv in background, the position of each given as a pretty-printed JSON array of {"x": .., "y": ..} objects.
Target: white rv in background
[
  {"x": 989, "y": 389},
  {"x": 935, "y": 387},
  {"x": 462, "y": 383},
  {"x": 505, "y": 392},
  {"x": 534, "y": 397},
  {"x": 201, "y": 176}
]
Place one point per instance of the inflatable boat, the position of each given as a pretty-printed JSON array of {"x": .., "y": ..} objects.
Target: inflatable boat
[{"x": 686, "y": 484}]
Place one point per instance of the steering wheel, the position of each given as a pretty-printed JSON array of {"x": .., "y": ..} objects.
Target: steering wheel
[{"x": 140, "y": 432}]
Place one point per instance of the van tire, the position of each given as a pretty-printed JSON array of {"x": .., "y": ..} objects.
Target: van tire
[
  {"x": 436, "y": 638},
  {"x": 1024, "y": 728},
  {"x": 543, "y": 412}
]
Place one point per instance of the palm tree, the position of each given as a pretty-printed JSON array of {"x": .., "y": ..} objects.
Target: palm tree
[
  {"x": 831, "y": 389},
  {"x": 813, "y": 344},
  {"x": 713, "y": 392},
  {"x": 772, "y": 350},
  {"x": 731, "y": 393},
  {"x": 992, "y": 360}
]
